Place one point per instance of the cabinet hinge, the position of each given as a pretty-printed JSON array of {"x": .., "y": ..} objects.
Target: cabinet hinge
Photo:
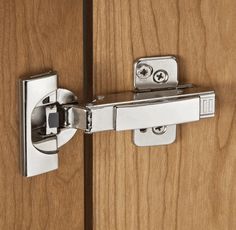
[{"x": 50, "y": 116}]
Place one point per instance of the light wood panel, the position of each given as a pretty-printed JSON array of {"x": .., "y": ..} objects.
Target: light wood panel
[
  {"x": 190, "y": 184},
  {"x": 36, "y": 36}
]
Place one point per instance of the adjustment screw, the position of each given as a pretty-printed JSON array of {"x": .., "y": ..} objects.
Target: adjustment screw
[
  {"x": 161, "y": 76},
  {"x": 144, "y": 71},
  {"x": 159, "y": 130}
]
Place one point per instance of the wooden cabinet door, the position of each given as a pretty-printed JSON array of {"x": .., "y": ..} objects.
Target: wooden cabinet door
[
  {"x": 190, "y": 184},
  {"x": 36, "y": 36},
  {"x": 104, "y": 182}
]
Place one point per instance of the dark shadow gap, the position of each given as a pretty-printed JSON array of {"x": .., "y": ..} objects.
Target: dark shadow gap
[{"x": 88, "y": 96}]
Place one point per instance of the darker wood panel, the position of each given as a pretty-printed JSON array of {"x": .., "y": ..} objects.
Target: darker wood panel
[
  {"x": 191, "y": 183},
  {"x": 36, "y": 36}
]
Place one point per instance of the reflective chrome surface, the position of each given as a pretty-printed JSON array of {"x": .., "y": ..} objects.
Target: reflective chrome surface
[
  {"x": 50, "y": 116},
  {"x": 32, "y": 90},
  {"x": 40, "y": 133},
  {"x": 148, "y": 138},
  {"x": 162, "y": 113},
  {"x": 207, "y": 105},
  {"x": 163, "y": 74},
  {"x": 137, "y": 110}
]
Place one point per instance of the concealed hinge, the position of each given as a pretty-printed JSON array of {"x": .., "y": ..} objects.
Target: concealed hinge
[{"x": 51, "y": 116}]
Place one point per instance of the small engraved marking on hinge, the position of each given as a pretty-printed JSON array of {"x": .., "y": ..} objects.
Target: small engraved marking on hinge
[{"x": 207, "y": 106}]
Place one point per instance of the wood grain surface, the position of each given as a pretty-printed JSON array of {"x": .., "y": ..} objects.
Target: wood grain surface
[
  {"x": 36, "y": 36},
  {"x": 190, "y": 184}
]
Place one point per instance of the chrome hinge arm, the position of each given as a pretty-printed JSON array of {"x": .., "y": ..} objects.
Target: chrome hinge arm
[{"x": 139, "y": 110}]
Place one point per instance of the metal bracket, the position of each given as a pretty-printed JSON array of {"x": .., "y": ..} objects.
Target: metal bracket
[
  {"x": 50, "y": 116},
  {"x": 163, "y": 75}
]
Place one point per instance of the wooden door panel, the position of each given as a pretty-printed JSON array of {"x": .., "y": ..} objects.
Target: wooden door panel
[
  {"x": 36, "y": 36},
  {"x": 191, "y": 183}
]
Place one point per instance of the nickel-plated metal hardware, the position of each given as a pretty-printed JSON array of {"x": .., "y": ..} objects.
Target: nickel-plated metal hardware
[
  {"x": 159, "y": 130},
  {"x": 50, "y": 116},
  {"x": 40, "y": 100},
  {"x": 144, "y": 71},
  {"x": 161, "y": 76},
  {"x": 164, "y": 73}
]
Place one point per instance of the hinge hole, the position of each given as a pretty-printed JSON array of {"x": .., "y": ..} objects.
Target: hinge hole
[{"x": 143, "y": 130}]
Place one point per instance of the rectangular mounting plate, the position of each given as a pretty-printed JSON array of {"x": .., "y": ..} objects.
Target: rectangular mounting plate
[
  {"x": 146, "y": 137},
  {"x": 146, "y": 72},
  {"x": 32, "y": 90},
  {"x": 155, "y": 73}
]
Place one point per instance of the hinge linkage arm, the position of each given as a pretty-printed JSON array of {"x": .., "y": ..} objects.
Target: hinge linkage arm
[{"x": 139, "y": 110}]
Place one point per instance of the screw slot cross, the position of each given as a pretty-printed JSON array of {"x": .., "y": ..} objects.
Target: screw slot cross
[
  {"x": 144, "y": 72},
  {"x": 161, "y": 76},
  {"x": 159, "y": 130}
]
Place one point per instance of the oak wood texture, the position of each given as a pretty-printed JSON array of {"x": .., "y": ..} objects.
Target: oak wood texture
[
  {"x": 190, "y": 184},
  {"x": 36, "y": 36}
]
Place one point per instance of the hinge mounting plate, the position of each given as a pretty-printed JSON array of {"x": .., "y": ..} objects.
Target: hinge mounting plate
[{"x": 155, "y": 73}]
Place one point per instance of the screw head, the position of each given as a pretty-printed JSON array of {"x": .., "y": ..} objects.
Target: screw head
[
  {"x": 144, "y": 71},
  {"x": 100, "y": 97},
  {"x": 161, "y": 76},
  {"x": 159, "y": 130}
]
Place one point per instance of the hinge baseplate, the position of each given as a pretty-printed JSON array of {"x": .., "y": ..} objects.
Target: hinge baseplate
[{"x": 155, "y": 73}]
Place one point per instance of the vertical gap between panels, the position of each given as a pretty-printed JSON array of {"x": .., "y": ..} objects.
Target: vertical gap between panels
[{"x": 88, "y": 96}]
